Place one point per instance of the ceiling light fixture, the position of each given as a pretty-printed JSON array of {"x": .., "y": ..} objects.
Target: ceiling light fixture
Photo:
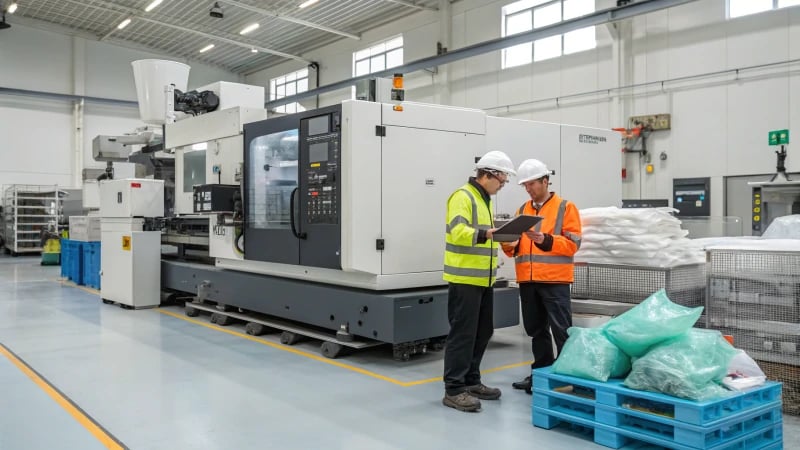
[
  {"x": 252, "y": 50},
  {"x": 206, "y": 48},
  {"x": 124, "y": 23},
  {"x": 249, "y": 28},
  {"x": 12, "y": 7},
  {"x": 307, "y": 3},
  {"x": 216, "y": 11},
  {"x": 153, "y": 5}
]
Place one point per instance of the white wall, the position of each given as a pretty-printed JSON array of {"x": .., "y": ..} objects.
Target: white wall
[
  {"x": 39, "y": 133},
  {"x": 719, "y": 123}
]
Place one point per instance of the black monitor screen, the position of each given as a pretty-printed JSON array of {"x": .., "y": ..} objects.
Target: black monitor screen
[
  {"x": 318, "y": 152},
  {"x": 318, "y": 125}
]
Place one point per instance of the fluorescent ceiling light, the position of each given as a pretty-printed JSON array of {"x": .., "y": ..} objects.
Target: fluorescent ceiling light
[
  {"x": 307, "y": 3},
  {"x": 252, "y": 50},
  {"x": 153, "y": 5},
  {"x": 12, "y": 7},
  {"x": 206, "y": 48},
  {"x": 124, "y": 23},
  {"x": 249, "y": 28}
]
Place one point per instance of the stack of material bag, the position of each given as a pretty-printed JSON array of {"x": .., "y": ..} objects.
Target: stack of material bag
[
  {"x": 635, "y": 236},
  {"x": 655, "y": 345}
]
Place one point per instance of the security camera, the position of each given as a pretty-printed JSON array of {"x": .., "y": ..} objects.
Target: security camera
[{"x": 216, "y": 11}]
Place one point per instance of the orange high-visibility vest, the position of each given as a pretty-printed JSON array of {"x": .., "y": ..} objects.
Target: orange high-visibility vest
[{"x": 562, "y": 221}]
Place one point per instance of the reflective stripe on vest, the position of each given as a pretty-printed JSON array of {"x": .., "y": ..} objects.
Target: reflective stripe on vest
[
  {"x": 544, "y": 259},
  {"x": 464, "y": 250},
  {"x": 462, "y": 272},
  {"x": 562, "y": 207},
  {"x": 574, "y": 238}
]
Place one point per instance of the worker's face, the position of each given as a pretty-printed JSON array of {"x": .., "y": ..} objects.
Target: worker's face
[
  {"x": 496, "y": 182},
  {"x": 538, "y": 188}
]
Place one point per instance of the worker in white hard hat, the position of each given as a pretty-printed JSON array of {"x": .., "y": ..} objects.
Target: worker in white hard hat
[
  {"x": 544, "y": 266},
  {"x": 470, "y": 268}
]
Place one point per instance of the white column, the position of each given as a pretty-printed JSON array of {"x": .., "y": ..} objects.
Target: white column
[{"x": 78, "y": 88}]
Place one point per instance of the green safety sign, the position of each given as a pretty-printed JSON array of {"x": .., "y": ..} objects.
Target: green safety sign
[{"x": 779, "y": 137}]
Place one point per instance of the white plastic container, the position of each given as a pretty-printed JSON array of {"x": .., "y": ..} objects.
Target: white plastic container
[
  {"x": 84, "y": 228},
  {"x": 150, "y": 76}
]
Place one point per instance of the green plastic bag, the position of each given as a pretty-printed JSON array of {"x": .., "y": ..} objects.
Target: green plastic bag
[
  {"x": 690, "y": 366},
  {"x": 589, "y": 354},
  {"x": 651, "y": 322}
]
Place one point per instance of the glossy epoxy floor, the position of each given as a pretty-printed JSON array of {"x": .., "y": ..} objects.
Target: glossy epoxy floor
[{"x": 154, "y": 380}]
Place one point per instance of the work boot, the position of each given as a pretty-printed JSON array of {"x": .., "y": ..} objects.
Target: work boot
[
  {"x": 462, "y": 402},
  {"x": 524, "y": 384},
  {"x": 484, "y": 392}
]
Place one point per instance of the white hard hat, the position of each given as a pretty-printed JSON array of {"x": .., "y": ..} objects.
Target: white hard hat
[
  {"x": 532, "y": 169},
  {"x": 495, "y": 160}
]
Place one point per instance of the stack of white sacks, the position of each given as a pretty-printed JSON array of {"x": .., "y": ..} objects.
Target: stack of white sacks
[{"x": 635, "y": 236}]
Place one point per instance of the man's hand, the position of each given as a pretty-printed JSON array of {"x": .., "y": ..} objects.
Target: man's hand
[
  {"x": 490, "y": 232},
  {"x": 536, "y": 236}
]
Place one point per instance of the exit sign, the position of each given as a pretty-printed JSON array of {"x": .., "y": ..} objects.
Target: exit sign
[{"x": 778, "y": 137}]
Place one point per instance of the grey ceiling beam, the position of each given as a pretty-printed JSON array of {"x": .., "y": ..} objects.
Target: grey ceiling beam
[
  {"x": 596, "y": 18},
  {"x": 139, "y": 15},
  {"x": 412, "y": 5},
  {"x": 278, "y": 16}
]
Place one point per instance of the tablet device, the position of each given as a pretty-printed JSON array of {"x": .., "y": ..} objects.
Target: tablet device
[{"x": 512, "y": 230}]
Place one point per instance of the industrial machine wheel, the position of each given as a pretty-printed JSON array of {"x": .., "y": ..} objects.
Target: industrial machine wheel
[
  {"x": 255, "y": 329},
  {"x": 191, "y": 312},
  {"x": 214, "y": 317},
  {"x": 289, "y": 338},
  {"x": 223, "y": 320},
  {"x": 331, "y": 349}
]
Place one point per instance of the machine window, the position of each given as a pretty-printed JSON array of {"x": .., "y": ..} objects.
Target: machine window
[{"x": 272, "y": 176}]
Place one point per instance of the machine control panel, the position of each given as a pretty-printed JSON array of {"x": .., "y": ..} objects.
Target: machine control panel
[
  {"x": 691, "y": 196},
  {"x": 321, "y": 172},
  {"x": 758, "y": 208}
]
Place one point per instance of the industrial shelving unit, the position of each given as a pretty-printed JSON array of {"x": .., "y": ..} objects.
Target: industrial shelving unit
[
  {"x": 754, "y": 296},
  {"x": 27, "y": 210}
]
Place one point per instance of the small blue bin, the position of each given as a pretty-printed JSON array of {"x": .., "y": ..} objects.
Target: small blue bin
[
  {"x": 72, "y": 260},
  {"x": 91, "y": 264}
]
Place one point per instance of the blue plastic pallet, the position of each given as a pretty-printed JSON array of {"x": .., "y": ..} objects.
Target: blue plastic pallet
[
  {"x": 766, "y": 438},
  {"x": 91, "y": 264},
  {"x": 72, "y": 260},
  {"x": 614, "y": 394}
]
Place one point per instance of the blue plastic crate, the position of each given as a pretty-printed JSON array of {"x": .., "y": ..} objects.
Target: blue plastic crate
[
  {"x": 614, "y": 394},
  {"x": 91, "y": 264},
  {"x": 72, "y": 260}
]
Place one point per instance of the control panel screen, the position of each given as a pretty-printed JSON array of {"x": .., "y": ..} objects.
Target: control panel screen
[
  {"x": 318, "y": 152},
  {"x": 318, "y": 125}
]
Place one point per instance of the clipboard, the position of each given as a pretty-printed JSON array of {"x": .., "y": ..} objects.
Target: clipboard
[{"x": 512, "y": 230}]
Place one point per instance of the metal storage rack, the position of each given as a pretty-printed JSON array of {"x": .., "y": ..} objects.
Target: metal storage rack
[
  {"x": 754, "y": 295},
  {"x": 27, "y": 210},
  {"x": 685, "y": 285}
]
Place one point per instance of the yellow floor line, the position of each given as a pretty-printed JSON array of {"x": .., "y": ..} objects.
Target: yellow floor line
[
  {"x": 90, "y": 425},
  {"x": 324, "y": 359},
  {"x": 83, "y": 288}
]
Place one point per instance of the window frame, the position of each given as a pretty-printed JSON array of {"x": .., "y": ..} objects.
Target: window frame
[
  {"x": 379, "y": 51},
  {"x": 531, "y": 7},
  {"x": 776, "y": 5},
  {"x": 292, "y": 78}
]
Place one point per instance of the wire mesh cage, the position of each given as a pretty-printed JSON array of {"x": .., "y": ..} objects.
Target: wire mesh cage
[
  {"x": 685, "y": 285},
  {"x": 754, "y": 296}
]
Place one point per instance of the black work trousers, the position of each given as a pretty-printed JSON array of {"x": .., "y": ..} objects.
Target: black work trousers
[
  {"x": 546, "y": 307},
  {"x": 470, "y": 311}
]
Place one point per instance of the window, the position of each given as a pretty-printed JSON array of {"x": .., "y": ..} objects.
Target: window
[
  {"x": 379, "y": 57},
  {"x": 286, "y": 86},
  {"x": 526, "y": 15},
  {"x": 739, "y": 8}
]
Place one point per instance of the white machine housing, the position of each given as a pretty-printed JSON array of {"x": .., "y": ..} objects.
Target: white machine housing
[
  {"x": 132, "y": 197},
  {"x": 586, "y": 162},
  {"x": 393, "y": 187},
  {"x": 129, "y": 256},
  {"x": 208, "y": 149},
  {"x": 232, "y": 95}
]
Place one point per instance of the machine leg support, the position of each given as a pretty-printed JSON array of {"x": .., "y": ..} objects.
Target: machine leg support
[
  {"x": 332, "y": 350},
  {"x": 289, "y": 338},
  {"x": 190, "y": 311}
]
